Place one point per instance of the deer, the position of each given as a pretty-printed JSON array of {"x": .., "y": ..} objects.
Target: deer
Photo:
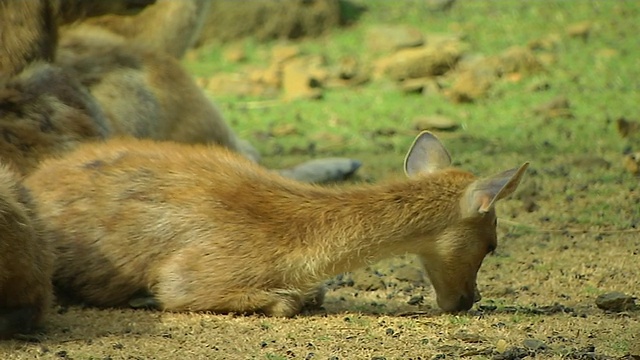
[
  {"x": 26, "y": 260},
  {"x": 181, "y": 227},
  {"x": 49, "y": 105}
]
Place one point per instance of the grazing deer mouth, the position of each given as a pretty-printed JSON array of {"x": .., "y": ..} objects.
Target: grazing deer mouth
[{"x": 464, "y": 303}]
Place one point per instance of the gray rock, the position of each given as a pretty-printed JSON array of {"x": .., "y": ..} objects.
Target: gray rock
[
  {"x": 323, "y": 170},
  {"x": 535, "y": 345},
  {"x": 616, "y": 301}
]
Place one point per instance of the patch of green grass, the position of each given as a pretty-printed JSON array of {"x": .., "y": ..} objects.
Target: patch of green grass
[{"x": 458, "y": 320}]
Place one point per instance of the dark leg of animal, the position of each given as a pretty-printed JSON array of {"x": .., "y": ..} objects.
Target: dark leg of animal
[{"x": 19, "y": 320}]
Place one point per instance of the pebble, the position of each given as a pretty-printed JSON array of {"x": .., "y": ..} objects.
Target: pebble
[{"x": 616, "y": 301}]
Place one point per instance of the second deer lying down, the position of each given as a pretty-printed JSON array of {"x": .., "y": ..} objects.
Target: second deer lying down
[{"x": 195, "y": 228}]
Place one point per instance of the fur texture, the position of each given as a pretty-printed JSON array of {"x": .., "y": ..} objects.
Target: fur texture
[
  {"x": 196, "y": 228},
  {"x": 27, "y": 34},
  {"x": 26, "y": 260}
]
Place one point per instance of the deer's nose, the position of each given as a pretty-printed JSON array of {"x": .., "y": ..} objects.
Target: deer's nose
[{"x": 465, "y": 303}]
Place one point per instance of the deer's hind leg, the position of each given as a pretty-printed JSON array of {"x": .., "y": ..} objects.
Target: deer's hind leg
[{"x": 272, "y": 302}]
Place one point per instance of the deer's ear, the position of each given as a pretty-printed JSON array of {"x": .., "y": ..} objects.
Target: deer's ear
[
  {"x": 481, "y": 196},
  {"x": 426, "y": 155}
]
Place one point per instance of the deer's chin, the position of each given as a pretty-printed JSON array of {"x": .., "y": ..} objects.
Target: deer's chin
[{"x": 459, "y": 304}]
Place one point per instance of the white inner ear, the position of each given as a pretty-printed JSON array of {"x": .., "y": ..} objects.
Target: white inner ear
[{"x": 426, "y": 155}]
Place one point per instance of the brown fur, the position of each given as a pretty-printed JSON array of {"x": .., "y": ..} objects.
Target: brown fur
[
  {"x": 26, "y": 261},
  {"x": 45, "y": 112},
  {"x": 27, "y": 34},
  {"x": 144, "y": 93},
  {"x": 168, "y": 26},
  {"x": 199, "y": 228},
  {"x": 69, "y": 11}
]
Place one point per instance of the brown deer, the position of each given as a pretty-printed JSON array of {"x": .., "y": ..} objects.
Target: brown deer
[
  {"x": 43, "y": 112},
  {"x": 47, "y": 108},
  {"x": 198, "y": 228},
  {"x": 26, "y": 260}
]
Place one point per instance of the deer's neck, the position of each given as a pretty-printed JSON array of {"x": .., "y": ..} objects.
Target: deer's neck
[{"x": 348, "y": 228}]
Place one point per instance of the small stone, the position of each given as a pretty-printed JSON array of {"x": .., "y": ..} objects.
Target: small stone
[
  {"x": 501, "y": 346},
  {"x": 631, "y": 162},
  {"x": 554, "y": 108},
  {"x": 468, "y": 337},
  {"x": 282, "y": 53},
  {"x": 580, "y": 30},
  {"x": 303, "y": 78},
  {"x": 234, "y": 54},
  {"x": 419, "y": 62},
  {"x": 518, "y": 59},
  {"x": 627, "y": 128},
  {"x": 389, "y": 37},
  {"x": 323, "y": 170},
  {"x": 616, "y": 301},
  {"x": 513, "y": 353},
  {"x": 470, "y": 85},
  {"x": 535, "y": 345}
]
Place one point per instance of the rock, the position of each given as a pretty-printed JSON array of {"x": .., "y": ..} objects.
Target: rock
[
  {"x": 580, "y": 30},
  {"x": 323, "y": 170},
  {"x": 282, "y": 53},
  {"x": 413, "y": 85},
  {"x": 548, "y": 43},
  {"x": 627, "y": 128},
  {"x": 471, "y": 85},
  {"x": 554, "y": 108},
  {"x": 232, "y": 84},
  {"x": 631, "y": 162},
  {"x": 229, "y": 20},
  {"x": 234, "y": 54},
  {"x": 616, "y": 301},
  {"x": 383, "y": 38},
  {"x": 535, "y": 345},
  {"x": 303, "y": 78},
  {"x": 348, "y": 67},
  {"x": 468, "y": 337},
  {"x": 518, "y": 59},
  {"x": 501, "y": 346},
  {"x": 284, "y": 130},
  {"x": 513, "y": 353},
  {"x": 434, "y": 122},
  {"x": 420, "y": 62}
]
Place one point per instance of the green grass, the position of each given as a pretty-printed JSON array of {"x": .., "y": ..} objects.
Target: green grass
[
  {"x": 576, "y": 162},
  {"x": 598, "y": 76}
]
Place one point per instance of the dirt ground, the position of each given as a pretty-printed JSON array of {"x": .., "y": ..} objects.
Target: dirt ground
[{"x": 569, "y": 235}]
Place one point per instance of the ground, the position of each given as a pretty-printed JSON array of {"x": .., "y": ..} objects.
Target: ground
[{"x": 568, "y": 235}]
